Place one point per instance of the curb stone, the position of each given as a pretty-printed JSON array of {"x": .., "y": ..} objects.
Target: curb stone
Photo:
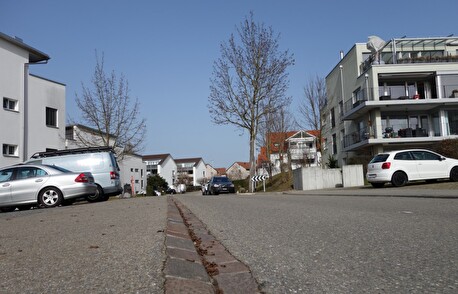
[{"x": 222, "y": 272}]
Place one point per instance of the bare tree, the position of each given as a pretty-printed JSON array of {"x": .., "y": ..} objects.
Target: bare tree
[
  {"x": 310, "y": 108},
  {"x": 109, "y": 111},
  {"x": 249, "y": 80}
]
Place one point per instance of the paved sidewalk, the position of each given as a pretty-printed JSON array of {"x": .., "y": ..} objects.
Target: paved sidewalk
[{"x": 426, "y": 191}]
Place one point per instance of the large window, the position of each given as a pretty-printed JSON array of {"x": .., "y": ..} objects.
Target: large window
[
  {"x": 9, "y": 150},
  {"x": 10, "y": 104},
  {"x": 449, "y": 86},
  {"x": 51, "y": 117}
]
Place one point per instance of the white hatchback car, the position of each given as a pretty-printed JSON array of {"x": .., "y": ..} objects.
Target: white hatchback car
[{"x": 402, "y": 166}]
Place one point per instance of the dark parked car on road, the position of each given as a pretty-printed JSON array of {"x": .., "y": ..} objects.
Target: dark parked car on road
[
  {"x": 25, "y": 185},
  {"x": 218, "y": 185}
]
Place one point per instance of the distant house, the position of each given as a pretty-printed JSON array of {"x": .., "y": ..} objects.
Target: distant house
[
  {"x": 238, "y": 171},
  {"x": 210, "y": 171},
  {"x": 295, "y": 148},
  {"x": 163, "y": 165},
  {"x": 191, "y": 170}
]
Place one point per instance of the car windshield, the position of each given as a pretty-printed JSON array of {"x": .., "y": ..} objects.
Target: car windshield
[
  {"x": 221, "y": 180},
  {"x": 379, "y": 158}
]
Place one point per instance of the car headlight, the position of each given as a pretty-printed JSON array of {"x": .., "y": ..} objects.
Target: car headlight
[{"x": 216, "y": 185}]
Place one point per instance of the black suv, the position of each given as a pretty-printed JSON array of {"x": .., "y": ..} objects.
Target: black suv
[{"x": 218, "y": 185}]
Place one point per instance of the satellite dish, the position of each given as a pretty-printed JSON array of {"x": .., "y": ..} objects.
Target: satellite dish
[{"x": 375, "y": 44}]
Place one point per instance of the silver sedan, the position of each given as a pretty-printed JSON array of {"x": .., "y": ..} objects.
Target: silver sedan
[{"x": 25, "y": 185}]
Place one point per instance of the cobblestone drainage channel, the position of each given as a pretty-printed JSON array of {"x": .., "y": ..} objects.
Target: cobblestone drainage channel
[{"x": 196, "y": 261}]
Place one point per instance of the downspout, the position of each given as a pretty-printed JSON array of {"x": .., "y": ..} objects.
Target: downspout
[{"x": 26, "y": 113}]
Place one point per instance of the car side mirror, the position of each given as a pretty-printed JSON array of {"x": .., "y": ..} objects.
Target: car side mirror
[{"x": 442, "y": 158}]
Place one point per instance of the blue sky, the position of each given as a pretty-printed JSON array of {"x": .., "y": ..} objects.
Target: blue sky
[{"x": 166, "y": 50}]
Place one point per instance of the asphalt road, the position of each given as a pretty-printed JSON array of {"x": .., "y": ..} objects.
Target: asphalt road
[
  {"x": 335, "y": 244},
  {"x": 109, "y": 247}
]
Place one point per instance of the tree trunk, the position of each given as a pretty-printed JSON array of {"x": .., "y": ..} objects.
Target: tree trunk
[{"x": 252, "y": 160}]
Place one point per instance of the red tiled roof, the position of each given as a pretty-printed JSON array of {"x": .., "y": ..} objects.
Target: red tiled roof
[{"x": 220, "y": 171}]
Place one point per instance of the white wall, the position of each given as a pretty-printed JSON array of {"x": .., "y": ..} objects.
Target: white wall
[
  {"x": 44, "y": 93},
  {"x": 168, "y": 170},
  {"x": 133, "y": 167},
  {"x": 12, "y": 60},
  {"x": 199, "y": 172}
]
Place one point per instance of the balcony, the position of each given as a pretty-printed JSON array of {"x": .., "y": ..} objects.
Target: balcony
[{"x": 299, "y": 153}]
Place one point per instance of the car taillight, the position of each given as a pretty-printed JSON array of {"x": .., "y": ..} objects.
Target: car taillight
[
  {"x": 386, "y": 165},
  {"x": 82, "y": 178},
  {"x": 114, "y": 175}
]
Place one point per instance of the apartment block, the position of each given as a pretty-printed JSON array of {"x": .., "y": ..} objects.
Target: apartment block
[
  {"x": 33, "y": 112},
  {"x": 390, "y": 95}
]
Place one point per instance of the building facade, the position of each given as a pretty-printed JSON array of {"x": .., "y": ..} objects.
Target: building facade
[
  {"x": 238, "y": 171},
  {"x": 33, "y": 107},
  {"x": 293, "y": 149},
  {"x": 397, "y": 94},
  {"x": 191, "y": 170},
  {"x": 163, "y": 165}
]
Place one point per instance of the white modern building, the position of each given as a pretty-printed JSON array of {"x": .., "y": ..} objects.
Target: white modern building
[
  {"x": 163, "y": 165},
  {"x": 33, "y": 112},
  {"x": 391, "y": 95},
  {"x": 192, "y": 168}
]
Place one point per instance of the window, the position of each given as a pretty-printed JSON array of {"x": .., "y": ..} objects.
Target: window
[
  {"x": 10, "y": 150},
  {"x": 10, "y": 104},
  {"x": 334, "y": 144},
  {"x": 403, "y": 156},
  {"x": 6, "y": 175},
  {"x": 333, "y": 118},
  {"x": 51, "y": 117}
]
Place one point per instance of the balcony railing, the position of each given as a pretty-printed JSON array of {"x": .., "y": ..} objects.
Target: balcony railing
[
  {"x": 359, "y": 136},
  {"x": 408, "y": 60}
]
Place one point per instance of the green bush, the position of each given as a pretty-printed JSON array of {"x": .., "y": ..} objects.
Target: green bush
[{"x": 156, "y": 182}]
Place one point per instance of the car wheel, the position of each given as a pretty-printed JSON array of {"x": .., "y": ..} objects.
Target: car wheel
[
  {"x": 454, "y": 174},
  {"x": 50, "y": 197},
  {"x": 399, "y": 179},
  {"x": 98, "y": 196},
  {"x": 378, "y": 185},
  {"x": 7, "y": 209}
]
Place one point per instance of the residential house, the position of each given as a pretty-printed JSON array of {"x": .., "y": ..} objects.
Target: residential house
[
  {"x": 391, "y": 95},
  {"x": 210, "y": 171},
  {"x": 191, "y": 170},
  {"x": 295, "y": 148},
  {"x": 163, "y": 165},
  {"x": 238, "y": 171},
  {"x": 33, "y": 113},
  {"x": 132, "y": 168}
]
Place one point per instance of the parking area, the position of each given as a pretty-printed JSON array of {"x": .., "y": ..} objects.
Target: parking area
[{"x": 114, "y": 246}]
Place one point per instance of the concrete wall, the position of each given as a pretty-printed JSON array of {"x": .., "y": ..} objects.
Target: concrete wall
[{"x": 314, "y": 178}]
